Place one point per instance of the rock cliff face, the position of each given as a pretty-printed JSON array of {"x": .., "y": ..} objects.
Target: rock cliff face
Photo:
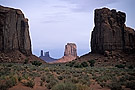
[
  {"x": 110, "y": 32},
  {"x": 69, "y": 54},
  {"x": 15, "y": 43},
  {"x": 14, "y": 31},
  {"x": 70, "y": 50}
]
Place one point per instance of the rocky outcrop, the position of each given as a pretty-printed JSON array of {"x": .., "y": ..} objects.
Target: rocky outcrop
[
  {"x": 15, "y": 43},
  {"x": 46, "y": 57},
  {"x": 14, "y": 31},
  {"x": 69, "y": 54},
  {"x": 70, "y": 50},
  {"x": 110, "y": 32}
]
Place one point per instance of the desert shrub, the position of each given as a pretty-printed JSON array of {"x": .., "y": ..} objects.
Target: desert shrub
[
  {"x": 122, "y": 79},
  {"x": 25, "y": 76},
  {"x": 70, "y": 64},
  {"x": 3, "y": 85},
  {"x": 5, "y": 71},
  {"x": 115, "y": 86},
  {"x": 130, "y": 67},
  {"x": 36, "y": 63},
  {"x": 60, "y": 77},
  {"x": 131, "y": 85},
  {"x": 12, "y": 81},
  {"x": 82, "y": 87},
  {"x": 103, "y": 78},
  {"x": 8, "y": 82},
  {"x": 84, "y": 64},
  {"x": 9, "y": 65},
  {"x": 76, "y": 74},
  {"x": 26, "y": 61},
  {"x": 74, "y": 80},
  {"x": 41, "y": 83},
  {"x": 43, "y": 78},
  {"x": 120, "y": 66},
  {"x": 77, "y": 65},
  {"x": 102, "y": 84},
  {"x": 91, "y": 62},
  {"x": 51, "y": 83},
  {"x": 49, "y": 76},
  {"x": 29, "y": 83},
  {"x": 19, "y": 78},
  {"x": 64, "y": 86},
  {"x": 34, "y": 74}
]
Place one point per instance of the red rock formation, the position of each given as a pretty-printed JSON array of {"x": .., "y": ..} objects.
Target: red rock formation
[
  {"x": 110, "y": 32},
  {"x": 15, "y": 43},
  {"x": 70, "y": 50},
  {"x": 69, "y": 54}
]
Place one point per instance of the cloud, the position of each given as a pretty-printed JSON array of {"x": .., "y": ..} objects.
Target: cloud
[{"x": 88, "y": 5}]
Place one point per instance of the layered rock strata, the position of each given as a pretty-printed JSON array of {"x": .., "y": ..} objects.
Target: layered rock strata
[
  {"x": 69, "y": 54},
  {"x": 110, "y": 32},
  {"x": 15, "y": 42}
]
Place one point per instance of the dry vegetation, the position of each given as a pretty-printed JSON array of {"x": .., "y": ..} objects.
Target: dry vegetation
[{"x": 70, "y": 76}]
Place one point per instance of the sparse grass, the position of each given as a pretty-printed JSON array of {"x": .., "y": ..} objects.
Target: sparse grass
[
  {"x": 57, "y": 75},
  {"x": 65, "y": 86},
  {"x": 29, "y": 83}
]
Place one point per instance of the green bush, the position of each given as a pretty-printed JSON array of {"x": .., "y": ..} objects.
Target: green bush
[
  {"x": 65, "y": 86},
  {"x": 77, "y": 65},
  {"x": 8, "y": 83},
  {"x": 120, "y": 66},
  {"x": 115, "y": 86},
  {"x": 70, "y": 64},
  {"x": 131, "y": 85},
  {"x": 43, "y": 78},
  {"x": 130, "y": 67},
  {"x": 84, "y": 64},
  {"x": 91, "y": 62},
  {"x": 26, "y": 61},
  {"x": 30, "y": 83},
  {"x": 36, "y": 63},
  {"x": 3, "y": 86},
  {"x": 60, "y": 77},
  {"x": 51, "y": 84},
  {"x": 82, "y": 87}
]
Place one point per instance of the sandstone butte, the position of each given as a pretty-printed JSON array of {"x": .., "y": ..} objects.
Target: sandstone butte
[
  {"x": 70, "y": 53},
  {"x": 112, "y": 42},
  {"x": 110, "y": 32},
  {"x": 15, "y": 42}
]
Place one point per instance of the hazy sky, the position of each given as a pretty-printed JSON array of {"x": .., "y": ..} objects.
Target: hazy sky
[{"x": 53, "y": 23}]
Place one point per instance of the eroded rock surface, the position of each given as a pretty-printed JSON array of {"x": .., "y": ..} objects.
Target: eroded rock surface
[
  {"x": 15, "y": 43},
  {"x": 69, "y": 54},
  {"x": 14, "y": 31},
  {"x": 110, "y": 32},
  {"x": 70, "y": 50}
]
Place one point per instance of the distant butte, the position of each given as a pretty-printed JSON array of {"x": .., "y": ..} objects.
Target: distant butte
[
  {"x": 46, "y": 57},
  {"x": 69, "y": 54}
]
